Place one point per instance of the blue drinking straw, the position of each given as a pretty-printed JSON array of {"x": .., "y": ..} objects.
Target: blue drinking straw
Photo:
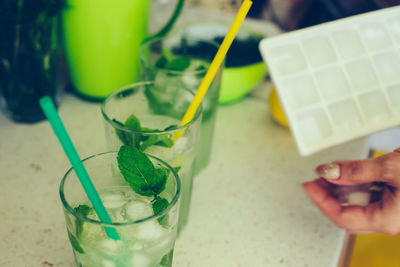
[{"x": 55, "y": 121}]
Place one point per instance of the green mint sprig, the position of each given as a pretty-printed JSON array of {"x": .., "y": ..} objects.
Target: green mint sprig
[
  {"x": 75, "y": 243},
  {"x": 142, "y": 141},
  {"x": 178, "y": 64},
  {"x": 141, "y": 175},
  {"x": 83, "y": 210},
  {"x": 175, "y": 64}
]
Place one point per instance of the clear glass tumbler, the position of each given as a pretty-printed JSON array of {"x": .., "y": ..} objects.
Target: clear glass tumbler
[
  {"x": 147, "y": 236},
  {"x": 146, "y": 115},
  {"x": 179, "y": 60}
]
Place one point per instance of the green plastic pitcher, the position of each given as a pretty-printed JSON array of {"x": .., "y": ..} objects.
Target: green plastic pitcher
[{"x": 101, "y": 42}]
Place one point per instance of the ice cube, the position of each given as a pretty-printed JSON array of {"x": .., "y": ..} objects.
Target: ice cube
[
  {"x": 388, "y": 67},
  {"x": 150, "y": 230},
  {"x": 140, "y": 259},
  {"x": 195, "y": 72},
  {"x": 137, "y": 246},
  {"x": 91, "y": 232},
  {"x": 109, "y": 245},
  {"x": 319, "y": 51},
  {"x": 138, "y": 210},
  {"x": 166, "y": 85},
  {"x": 301, "y": 92},
  {"x": 362, "y": 75},
  {"x": 289, "y": 59},
  {"x": 345, "y": 115},
  {"x": 394, "y": 96},
  {"x": 394, "y": 27},
  {"x": 179, "y": 147},
  {"x": 191, "y": 81},
  {"x": 313, "y": 125},
  {"x": 113, "y": 200},
  {"x": 348, "y": 43},
  {"x": 375, "y": 36},
  {"x": 359, "y": 198},
  {"x": 181, "y": 100},
  {"x": 332, "y": 83},
  {"x": 164, "y": 245},
  {"x": 374, "y": 106}
]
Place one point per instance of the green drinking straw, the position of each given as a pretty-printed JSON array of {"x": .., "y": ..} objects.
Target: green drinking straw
[{"x": 55, "y": 121}]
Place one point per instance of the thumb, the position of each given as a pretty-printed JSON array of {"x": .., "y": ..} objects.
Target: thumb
[{"x": 385, "y": 168}]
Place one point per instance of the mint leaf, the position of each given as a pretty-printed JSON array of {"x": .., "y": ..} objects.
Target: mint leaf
[
  {"x": 142, "y": 141},
  {"x": 137, "y": 169},
  {"x": 159, "y": 180},
  {"x": 200, "y": 68},
  {"x": 161, "y": 62},
  {"x": 157, "y": 140},
  {"x": 164, "y": 141},
  {"x": 176, "y": 169},
  {"x": 140, "y": 173},
  {"x": 149, "y": 141},
  {"x": 83, "y": 210},
  {"x": 178, "y": 64},
  {"x": 166, "y": 259},
  {"x": 75, "y": 243},
  {"x": 133, "y": 123},
  {"x": 159, "y": 204},
  {"x": 171, "y": 127},
  {"x": 125, "y": 137}
]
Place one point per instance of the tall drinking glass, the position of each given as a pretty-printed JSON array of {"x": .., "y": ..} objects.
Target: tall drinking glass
[
  {"x": 180, "y": 60},
  {"x": 146, "y": 115},
  {"x": 147, "y": 237}
]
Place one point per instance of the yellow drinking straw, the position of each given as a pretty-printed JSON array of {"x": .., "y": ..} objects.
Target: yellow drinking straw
[{"x": 212, "y": 70}]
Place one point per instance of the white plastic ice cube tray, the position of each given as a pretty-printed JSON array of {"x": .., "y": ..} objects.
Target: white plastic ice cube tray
[{"x": 339, "y": 80}]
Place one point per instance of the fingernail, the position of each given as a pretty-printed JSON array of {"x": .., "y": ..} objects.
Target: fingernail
[{"x": 328, "y": 171}]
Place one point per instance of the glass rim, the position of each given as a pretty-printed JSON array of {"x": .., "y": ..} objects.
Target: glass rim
[
  {"x": 176, "y": 72},
  {"x": 158, "y": 132},
  {"x": 135, "y": 222}
]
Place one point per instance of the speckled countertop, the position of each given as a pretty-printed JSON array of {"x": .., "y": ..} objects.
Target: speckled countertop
[{"x": 248, "y": 208}]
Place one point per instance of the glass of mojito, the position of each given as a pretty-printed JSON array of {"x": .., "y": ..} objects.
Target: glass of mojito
[
  {"x": 144, "y": 213},
  {"x": 182, "y": 60},
  {"x": 146, "y": 116}
]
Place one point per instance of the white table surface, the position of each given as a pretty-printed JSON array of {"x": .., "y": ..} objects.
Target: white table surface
[{"x": 248, "y": 208}]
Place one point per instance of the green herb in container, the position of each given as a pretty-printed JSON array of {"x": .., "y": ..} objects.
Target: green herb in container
[{"x": 28, "y": 56}]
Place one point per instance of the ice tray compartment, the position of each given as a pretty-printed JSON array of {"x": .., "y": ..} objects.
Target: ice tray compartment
[{"x": 340, "y": 80}]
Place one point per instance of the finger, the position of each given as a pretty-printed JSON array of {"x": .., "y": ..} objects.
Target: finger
[
  {"x": 385, "y": 168},
  {"x": 320, "y": 193},
  {"x": 356, "y": 219},
  {"x": 353, "y": 218},
  {"x": 376, "y": 217}
]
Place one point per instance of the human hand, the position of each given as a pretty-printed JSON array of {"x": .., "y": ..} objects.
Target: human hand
[{"x": 380, "y": 216}]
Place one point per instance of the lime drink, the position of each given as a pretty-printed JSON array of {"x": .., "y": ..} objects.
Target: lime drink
[
  {"x": 179, "y": 61},
  {"x": 146, "y": 116},
  {"x": 145, "y": 244},
  {"x": 141, "y": 194}
]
